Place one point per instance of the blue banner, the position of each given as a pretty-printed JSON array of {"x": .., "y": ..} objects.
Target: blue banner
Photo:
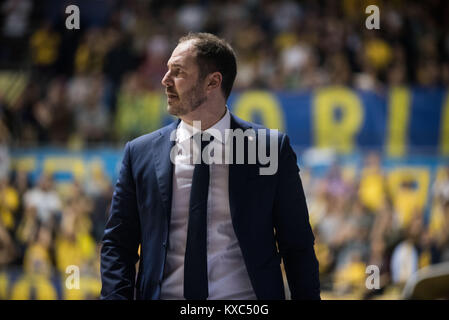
[{"x": 398, "y": 122}]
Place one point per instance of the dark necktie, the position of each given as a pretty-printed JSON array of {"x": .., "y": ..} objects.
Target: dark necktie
[{"x": 195, "y": 260}]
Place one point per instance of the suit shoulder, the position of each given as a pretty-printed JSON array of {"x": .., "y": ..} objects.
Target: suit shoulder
[
  {"x": 146, "y": 139},
  {"x": 243, "y": 124},
  {"x": 247, "y": 124}
]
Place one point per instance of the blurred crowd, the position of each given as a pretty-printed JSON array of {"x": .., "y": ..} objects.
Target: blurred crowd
[
  {"x": 46, "y": 228},
  {"x": 362, "y": 220},
  {"x": 359, "y": 219},
  {"x": 106, "y": 71},
  {"x": 101, "y": 85}
]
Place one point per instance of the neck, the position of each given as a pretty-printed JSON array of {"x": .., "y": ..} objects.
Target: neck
[{"x": 208, "y": 117}]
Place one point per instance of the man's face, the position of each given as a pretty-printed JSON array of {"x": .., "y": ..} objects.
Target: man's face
[{"x": 185, "y": 91}]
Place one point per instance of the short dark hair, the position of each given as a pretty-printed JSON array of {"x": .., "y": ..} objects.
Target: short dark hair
[{"x": 214, "y": 54}]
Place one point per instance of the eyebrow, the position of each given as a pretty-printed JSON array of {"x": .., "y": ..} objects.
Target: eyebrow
[{"x": 176, "y": 65}]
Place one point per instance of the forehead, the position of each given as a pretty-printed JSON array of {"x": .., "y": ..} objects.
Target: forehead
[{"x": 184, "y": 54}]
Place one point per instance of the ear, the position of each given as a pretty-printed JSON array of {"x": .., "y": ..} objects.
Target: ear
[{"x": 214, "y": 80}]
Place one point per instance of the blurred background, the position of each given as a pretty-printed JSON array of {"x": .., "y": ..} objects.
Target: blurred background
[{"x": 367, "y": 112}]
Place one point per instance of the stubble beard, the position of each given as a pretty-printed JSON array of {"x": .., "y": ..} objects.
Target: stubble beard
[{"x": 194, "y": 99}]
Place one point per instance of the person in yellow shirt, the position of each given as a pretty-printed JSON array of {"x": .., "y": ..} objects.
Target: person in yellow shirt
[
  {"x": 44, "y": 46},
  {"x": 406, "y": 204},
  {"x": 372, "y": 184},
  {"x": 74, "y": 245},
  {"x": 37, "y": 259},
  {"x": 35, "y": 282},
  {"x": 350, "y": 279},
  {"x": 7, "y": 249},
  {"x": 9, "y": 203}
]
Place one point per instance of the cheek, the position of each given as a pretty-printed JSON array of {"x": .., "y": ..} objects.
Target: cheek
[
  {"x": 179, "y": 86},
  {"x": 182, "y": 86}
]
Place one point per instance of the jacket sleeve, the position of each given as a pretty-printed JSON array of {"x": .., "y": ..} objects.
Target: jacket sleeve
[
  {"x": 119, "y": 251},
  {"x": 293, "y": 231}
]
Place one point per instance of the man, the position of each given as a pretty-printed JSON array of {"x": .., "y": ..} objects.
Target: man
[{"x": 214, "y": 231}]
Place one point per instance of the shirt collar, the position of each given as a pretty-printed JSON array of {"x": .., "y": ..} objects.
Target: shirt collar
[{"x": 186, "y": 131}]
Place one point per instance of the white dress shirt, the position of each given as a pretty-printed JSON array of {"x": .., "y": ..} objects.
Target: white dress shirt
[{"x": 227, "y": 274}]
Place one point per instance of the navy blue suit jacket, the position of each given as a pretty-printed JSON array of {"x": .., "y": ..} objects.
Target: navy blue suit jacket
[{"x": 269, "y": 216}]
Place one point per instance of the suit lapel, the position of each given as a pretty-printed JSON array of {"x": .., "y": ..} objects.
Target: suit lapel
[
  {"x": 164, "y": 167},
  {"x": 238, "y": 176}
]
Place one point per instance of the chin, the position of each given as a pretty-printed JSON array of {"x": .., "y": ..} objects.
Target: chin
[
  {"x": 175, "y": 110},
  {"x": 172, "y": 110}
]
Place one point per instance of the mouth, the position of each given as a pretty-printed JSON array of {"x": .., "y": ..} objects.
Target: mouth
[{"x": 171, "y": 95}]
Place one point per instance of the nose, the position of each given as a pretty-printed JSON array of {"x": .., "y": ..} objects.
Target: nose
[{"x": 166, "y": 80}]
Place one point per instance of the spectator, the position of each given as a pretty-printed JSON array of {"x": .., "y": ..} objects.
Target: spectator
[
  {"x": 372, "y": 188},
  {"x": 15, "y": 14},
  {"x": 92, "y": 117},
  {"x": 7, "y": 247},
  {"x": 37, "y": 259},
  {"x": 351, "y": 277},
  {"x": 9, "y": 203},
  {"x": 4, "y": 152},
  {"x": 73, "y": 245},
  {"x": 44, "y": 199},
  {"x": 405, "y": 257},
  {"x": 44, "y": 48}
]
